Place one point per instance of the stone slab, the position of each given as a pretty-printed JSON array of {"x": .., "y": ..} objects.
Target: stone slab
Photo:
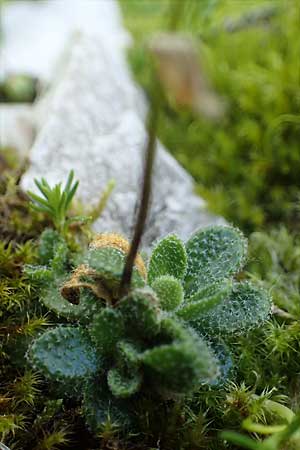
[{"x": 93, "y": 124}]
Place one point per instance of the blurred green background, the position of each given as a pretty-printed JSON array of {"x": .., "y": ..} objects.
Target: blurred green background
[{"x": 247, "y": 166}]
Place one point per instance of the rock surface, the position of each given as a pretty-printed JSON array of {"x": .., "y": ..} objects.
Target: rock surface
[
  {"x": 92, "y": 119},
  {"x": 93, "y": 124},
  {"x": 16, "y": 127},
  {"x": 38, "y": 49},
  {"x": 44, "y": 28}
]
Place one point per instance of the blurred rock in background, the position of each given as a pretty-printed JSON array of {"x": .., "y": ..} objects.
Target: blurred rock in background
[{"x": 92, "y": 117}]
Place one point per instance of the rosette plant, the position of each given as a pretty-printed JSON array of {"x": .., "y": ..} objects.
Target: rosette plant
[
  {"x": 164, "y": 337},
  {"x": 141, "y": 330}
]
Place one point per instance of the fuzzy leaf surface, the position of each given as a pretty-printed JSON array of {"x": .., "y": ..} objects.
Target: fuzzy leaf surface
[
  {"x": 204, "y": 300},
  {"x": 100, "y": 407},
  {"x": 141, "y": 312},
  {"x": 64, "y": 353},
  {"x": 128, "y": 355},
  {"x": 182, "y": 365},
  {"x": 106, "y": 330},
  {"x": 122, "y": 385},
  {"x": 109, "y": 263},
  {"x": 53, "y": 300},
  {"x": 169, "y": 291},
  {"x": 48, "y": 241},
  {"x": 225, "y": 363},
  {"x": 213, "y": 253},
  {"x": 168, "y": 258},
  {"x": 247, "y": 306}
]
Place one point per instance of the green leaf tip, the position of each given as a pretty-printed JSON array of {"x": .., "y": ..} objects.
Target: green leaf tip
[
  {"x": 168, "y": 258},
  {"x": 205, "y": 300},
  {"x": 55, "y": 201},
  {"x": 169, "y": 291},
  {"x": 213, "y": 253},
  {"x": 122, "y": 385}
]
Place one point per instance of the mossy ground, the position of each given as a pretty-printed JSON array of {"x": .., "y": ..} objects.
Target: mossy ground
[{"x": 268, "y": 360}]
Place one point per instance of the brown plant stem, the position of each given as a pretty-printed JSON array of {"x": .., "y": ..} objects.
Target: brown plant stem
[{"x": 144, "y": 199}]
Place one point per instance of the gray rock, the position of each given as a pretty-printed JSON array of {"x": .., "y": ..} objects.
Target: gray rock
[
  {"x": 35, "y": 49},
  {"x": 16, "y": 127},
  {"x": 93, "y": 123},
  {"x": 45, "y": 27}
]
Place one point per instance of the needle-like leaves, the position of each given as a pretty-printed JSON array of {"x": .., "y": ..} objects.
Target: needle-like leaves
[{"x": 55, "y": 201}]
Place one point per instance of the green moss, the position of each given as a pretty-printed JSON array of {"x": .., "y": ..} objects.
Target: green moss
[
  {"x": 29, "y": 418},
  {"x": 17, "y": 222},
  {"x": 265, "y": 357},
  {"x": 275, "y": 259}
]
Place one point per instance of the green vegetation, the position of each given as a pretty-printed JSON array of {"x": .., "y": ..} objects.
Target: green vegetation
[
  {"x": 130, "y": 345},
  {"x": 28, "y": 419},
  {"x": 126, "y": 341},
  {"x": 202, "y": 352},
  {"x": 247, "y": 166},
  {"x": 18, "y": 89},
  {"x": 55, "y": 201},
  {"x": 280, "y": 434}
]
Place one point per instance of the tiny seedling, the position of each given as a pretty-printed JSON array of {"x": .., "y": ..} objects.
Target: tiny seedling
[{"x": 55, "y": 201}]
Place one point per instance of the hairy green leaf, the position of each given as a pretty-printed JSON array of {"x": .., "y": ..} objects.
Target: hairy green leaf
[
  {"x": 107, "y": 329},
  {"x": 101, "y": 408},
  {"x": 247, "y": 306},
  {"x": 204, "y": 300},
  {"x": 64, "y": 353},
  {"x": 122, "y": 385},
  {"x": 141, "y": 312},
  {"x": 167, "y": 258},
  {"x": 182, "y": 365},
  {"x": 169, "y": 291},
  {"x": 213, "y": 253}
]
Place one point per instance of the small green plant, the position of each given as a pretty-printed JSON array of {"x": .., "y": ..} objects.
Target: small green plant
[
  {"x": 165, "y": 337},
  {"x": 287, "y": 434},
  {"x": 55, "y": 201}
]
